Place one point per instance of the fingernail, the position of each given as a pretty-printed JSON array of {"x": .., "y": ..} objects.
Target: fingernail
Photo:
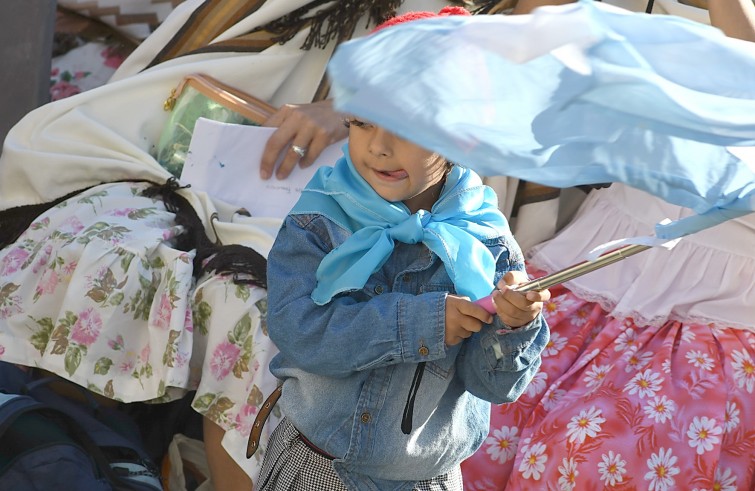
[{"x": 264, "y": 174}]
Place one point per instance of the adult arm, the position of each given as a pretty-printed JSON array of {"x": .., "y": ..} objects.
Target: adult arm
[
  {"x": 736, "y": 18},
  {"x": 527, "y": 6}
]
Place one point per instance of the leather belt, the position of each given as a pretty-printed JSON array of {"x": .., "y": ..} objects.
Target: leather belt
[
  {"x": 259, "y": 422},
  {"x": 315, "y": 448}
]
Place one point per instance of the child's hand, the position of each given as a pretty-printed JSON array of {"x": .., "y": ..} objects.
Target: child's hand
[
  {"x": 463, "y": 318},
  {"x": 514, "y": 308}
]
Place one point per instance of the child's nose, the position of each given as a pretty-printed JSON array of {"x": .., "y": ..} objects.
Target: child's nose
[{"x": 381, "y": 143}]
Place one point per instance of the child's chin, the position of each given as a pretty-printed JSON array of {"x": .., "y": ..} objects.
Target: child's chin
[{"x": 391, "y": 195}]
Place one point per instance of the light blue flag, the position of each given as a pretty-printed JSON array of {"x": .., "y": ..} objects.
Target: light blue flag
[{"x": 583, "y": 93}]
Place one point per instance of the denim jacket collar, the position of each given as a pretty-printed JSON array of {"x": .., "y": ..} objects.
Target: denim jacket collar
[{"x": 465, "y": 214}]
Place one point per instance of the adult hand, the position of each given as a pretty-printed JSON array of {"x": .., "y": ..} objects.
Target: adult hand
[
  {"x": 307, "y": 127},
  {"x": 736, "y": 18}
]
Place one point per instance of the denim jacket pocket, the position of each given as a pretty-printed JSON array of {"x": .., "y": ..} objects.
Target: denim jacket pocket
[
  {"x": 444, "y": 368},
  {"x": 438, "y": 377},
  {"x": 444, "y": 371}
]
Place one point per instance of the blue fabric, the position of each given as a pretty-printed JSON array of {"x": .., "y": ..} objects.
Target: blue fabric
[
  {"x": 70, "y": 447},
  {"x": 576, "y": 94},
  {"x": 465, "y": 214}
]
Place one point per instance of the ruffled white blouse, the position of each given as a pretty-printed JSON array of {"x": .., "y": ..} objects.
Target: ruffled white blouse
[{"x": 708, "y": 277}]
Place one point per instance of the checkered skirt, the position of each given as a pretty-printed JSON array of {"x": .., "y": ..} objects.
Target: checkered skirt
[{"x": 291, "y": 465}]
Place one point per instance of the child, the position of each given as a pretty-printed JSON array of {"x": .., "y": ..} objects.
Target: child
[
  {"x": 361, "y": 283},
  {"x": 368, "y": 286}
]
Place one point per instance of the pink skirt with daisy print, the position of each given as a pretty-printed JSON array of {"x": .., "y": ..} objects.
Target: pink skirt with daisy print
[
  {"x": 648, "y": 381},
  {"x": 621, "y": 406}
]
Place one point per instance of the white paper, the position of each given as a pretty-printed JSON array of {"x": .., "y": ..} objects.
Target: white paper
[{"x": 224, "y": 161}]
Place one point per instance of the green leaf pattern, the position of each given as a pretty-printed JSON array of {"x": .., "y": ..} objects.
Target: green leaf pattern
[{"x": 106, "y": 263}]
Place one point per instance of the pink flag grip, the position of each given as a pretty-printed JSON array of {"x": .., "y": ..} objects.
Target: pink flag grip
[{"x": 487, "y": 303}]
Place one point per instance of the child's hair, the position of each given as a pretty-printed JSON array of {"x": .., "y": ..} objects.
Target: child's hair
[
  {"x": 350, "y": 120},
  {"x": 407, "y": 17}
]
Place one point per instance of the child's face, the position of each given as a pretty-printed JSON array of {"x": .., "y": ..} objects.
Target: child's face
[{"x": 395, "y": 168}]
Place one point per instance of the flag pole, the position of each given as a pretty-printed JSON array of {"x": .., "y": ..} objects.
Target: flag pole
[
  {"x": 569, "y": 273},
  {"x": 580, "y": 269}
]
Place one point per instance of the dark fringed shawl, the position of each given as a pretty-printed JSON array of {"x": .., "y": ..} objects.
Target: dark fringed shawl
[
  {"x": 336, "y": 19},
  {"x": 329, "y": 20},
  {"x": 244, "y": 263},
  {"x": 489, "y": 7}
]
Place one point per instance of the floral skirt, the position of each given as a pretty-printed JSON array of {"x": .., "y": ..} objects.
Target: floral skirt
[
  {"x": 620, "y": 406},
  {"x": 94, "y": 292}
]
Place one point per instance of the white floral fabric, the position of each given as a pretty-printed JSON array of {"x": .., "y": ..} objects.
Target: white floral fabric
[{"x": 95, "y": 292}]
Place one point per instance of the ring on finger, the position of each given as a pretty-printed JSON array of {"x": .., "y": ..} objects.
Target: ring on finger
[{"x": 300, "y": 151}]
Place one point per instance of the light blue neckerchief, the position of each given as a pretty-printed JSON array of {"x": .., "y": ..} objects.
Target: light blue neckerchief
[{"x": 466, "y": 213}]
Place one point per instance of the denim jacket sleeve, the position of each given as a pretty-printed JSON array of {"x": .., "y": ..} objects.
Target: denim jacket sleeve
[
  {"x": 389, "y": 328},
  {"x": 497, "y": 363}
]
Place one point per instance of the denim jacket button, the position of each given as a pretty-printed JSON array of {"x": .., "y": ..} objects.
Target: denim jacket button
[
  {"x": 366, "y": 417},
  {"x": 423, "y": 351},
  {"x": 378, "y": 289}
]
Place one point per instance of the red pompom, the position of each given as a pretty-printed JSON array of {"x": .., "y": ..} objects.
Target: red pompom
[
  {"x": 453, "y": 10},
  {"x": 410, "y": 16}
]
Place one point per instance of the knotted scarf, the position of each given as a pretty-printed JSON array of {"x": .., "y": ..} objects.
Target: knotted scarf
[{"x": 465, "y": 214}]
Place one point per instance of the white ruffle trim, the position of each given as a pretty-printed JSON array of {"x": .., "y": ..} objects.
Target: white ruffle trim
[{"x": 708, "y": 278}]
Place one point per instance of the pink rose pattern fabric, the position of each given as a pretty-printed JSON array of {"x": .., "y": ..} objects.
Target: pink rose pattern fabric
[
  {"x": 85, "y": 67},
  {"x": 620, "y": 406},
  {"x": 94, "y": 292}
]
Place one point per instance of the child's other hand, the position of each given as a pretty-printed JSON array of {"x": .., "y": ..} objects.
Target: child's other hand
[
  {"x": 463, "y": 318},
  {"x": 514, "y": 308}
]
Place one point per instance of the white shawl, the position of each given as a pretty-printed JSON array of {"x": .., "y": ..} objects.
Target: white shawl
[{"x": 106, "y": 134}]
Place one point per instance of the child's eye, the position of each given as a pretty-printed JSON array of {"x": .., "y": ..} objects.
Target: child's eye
[{"x": 356, "y": 123}]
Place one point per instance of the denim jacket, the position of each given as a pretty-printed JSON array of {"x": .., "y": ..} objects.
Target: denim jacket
[{"x": 347, "y": 366}]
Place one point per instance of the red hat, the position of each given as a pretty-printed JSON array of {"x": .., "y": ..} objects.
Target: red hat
[{"x": 410, "y": 16}]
